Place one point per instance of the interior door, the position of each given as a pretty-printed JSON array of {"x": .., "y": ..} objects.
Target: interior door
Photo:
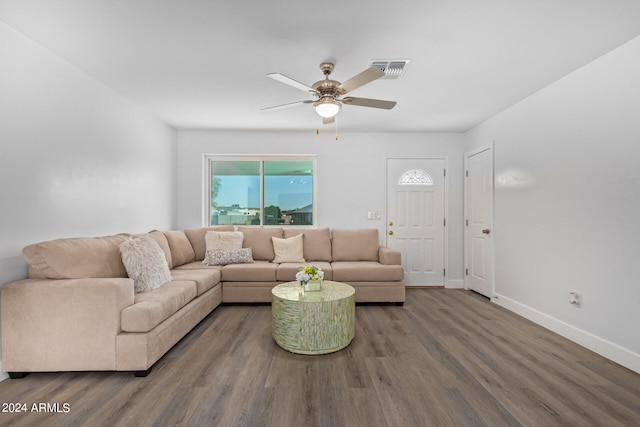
[
  {"x": 416, "y": 218},
  {"x": 479, "y": 221}
]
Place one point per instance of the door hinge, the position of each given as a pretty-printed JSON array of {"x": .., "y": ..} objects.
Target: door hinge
[
  {"x": 466, "y": 222},
  {"x": 445, "y": 172},
  {"x": 444, "y": 272},
  {"x": 466, "y": 271},
  {"x": 466, "y": 173},
  {"x": 445, "y": 222}
]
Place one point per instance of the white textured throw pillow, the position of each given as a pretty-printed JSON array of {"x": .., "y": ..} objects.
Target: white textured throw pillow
[
  {"x": 145, "y": 263},
  {"x": 288, "y": 250},
  {"x": 222, "y": 240}
]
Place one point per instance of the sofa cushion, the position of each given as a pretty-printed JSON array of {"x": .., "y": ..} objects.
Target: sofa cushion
[
  {"x": 152, "y": 308},
  {"x": 316, "y": 242},
  {"x": 366, "y": 271},
  {"x": 354, "y": 245},
  {"x": 162, "y": 241},
  {"x": 76, "y": 258},
  {"x": 259, "y": 240},
  {"x": 260, "y": 271},
  {"x": 145, "y": 263},
  {"x": 229, "y": 256},
  {"x": 287, "y": 270},
  {"x": 288, "y": 250},
  {"x": 196, "y": 237},
  {"x": 197, "y": 265},
  {"x": 181, "y": 249},
  {"x": 221, "y": 240},
  {"x": 205, "y": 279}
]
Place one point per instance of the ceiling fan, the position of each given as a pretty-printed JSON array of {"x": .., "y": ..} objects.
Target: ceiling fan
[{"x": 329, "y": 94}]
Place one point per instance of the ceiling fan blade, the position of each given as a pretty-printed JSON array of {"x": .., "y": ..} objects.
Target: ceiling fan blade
[
  {"x": 328, "y": 120},
  {"x": 367, "y": 102},
  {"x": 291, "y": 82},
  {"x": 361, "y": 79},
  {"x": 283, "y": 106}
]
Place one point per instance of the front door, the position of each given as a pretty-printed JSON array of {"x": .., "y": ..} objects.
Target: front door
[
  {"x": 479, "y": 221},
  {"x": 416, "y": 218}
]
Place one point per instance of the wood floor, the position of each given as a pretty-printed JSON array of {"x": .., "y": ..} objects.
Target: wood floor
[{"x": 447, "y": 358}]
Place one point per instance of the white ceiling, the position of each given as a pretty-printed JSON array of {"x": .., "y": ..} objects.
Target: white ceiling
[{"x": 203, "y": 63}]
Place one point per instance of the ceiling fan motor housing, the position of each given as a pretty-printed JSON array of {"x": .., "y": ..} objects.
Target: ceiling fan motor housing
[{"x": 327, "y": 87}]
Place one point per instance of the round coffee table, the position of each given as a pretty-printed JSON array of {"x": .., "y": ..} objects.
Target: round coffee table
[{"x": 313, "y": 322}]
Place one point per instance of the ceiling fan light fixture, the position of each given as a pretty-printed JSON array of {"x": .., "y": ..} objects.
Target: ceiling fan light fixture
[{"x": 327, "y": 107}]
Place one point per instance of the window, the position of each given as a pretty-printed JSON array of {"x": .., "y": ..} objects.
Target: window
[
  {"x": 260, "y": 190},
  {"x": 416, "y": 177}
]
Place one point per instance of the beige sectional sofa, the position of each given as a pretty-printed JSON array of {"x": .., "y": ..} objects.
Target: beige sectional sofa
[{"x": 78, "y": 311}]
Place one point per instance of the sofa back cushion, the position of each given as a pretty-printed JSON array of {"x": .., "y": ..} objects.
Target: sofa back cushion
[
  {"x": 316, "y": 242},
  {"x": 181, "y": 249},
  {"x": 259, "y": 240},
  {"x": 197, "y": 238},
  {"x": 354, "y": 245},
  {"x": 76, "y": 258},
  {"x": 162, "y": 241}
]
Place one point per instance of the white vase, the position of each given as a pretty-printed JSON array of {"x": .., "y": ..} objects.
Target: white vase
[{"x": 313, "y": 286}]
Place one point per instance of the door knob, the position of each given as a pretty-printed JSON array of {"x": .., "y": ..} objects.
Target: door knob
[
  {"x": 486, "y": 231},
  {"x": 390, "y": 223},
  {"x": 390, "y": 232}
]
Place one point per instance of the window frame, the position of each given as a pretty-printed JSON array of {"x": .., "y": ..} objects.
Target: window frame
[{"x": 208, "y": 158}]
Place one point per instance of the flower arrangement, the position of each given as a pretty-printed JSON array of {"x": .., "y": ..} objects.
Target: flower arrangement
[{"x": 309, "y": 273}]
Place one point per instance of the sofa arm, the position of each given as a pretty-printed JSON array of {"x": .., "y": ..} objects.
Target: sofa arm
[
  {"x": 388, "y": 256},
  {"x": 63, "y": 324}
]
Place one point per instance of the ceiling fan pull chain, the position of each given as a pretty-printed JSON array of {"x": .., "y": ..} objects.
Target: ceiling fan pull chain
[{"x": 336, "y": 123}]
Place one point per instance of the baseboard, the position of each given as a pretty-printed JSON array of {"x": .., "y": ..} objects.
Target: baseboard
[
  {"x": 454, "y": 284},
  {"x": 611, "y": 351}
]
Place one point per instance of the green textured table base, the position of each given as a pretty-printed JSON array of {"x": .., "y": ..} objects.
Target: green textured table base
[{"x": 313, "y": 322}]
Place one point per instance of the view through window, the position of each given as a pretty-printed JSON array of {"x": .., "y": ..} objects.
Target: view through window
[{"x": 261, "y": 191}]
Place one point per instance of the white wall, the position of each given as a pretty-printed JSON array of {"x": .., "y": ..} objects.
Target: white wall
[
  {"x": 567, "y": 204},
  {"x": 75, "y": 158},
  {"x": 350, "y": 173}
]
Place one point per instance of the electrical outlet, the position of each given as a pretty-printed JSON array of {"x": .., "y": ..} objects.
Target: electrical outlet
[{"x": 574, "y": 298}]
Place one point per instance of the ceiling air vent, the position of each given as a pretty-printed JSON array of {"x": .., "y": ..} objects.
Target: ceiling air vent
[{"x": 393, "y": 69}]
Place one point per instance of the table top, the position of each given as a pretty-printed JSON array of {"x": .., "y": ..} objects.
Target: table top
[{"x": 330, "y": 291}]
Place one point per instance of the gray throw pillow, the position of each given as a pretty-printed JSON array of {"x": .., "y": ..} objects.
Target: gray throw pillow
[{"x": 229, "y": 256}]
